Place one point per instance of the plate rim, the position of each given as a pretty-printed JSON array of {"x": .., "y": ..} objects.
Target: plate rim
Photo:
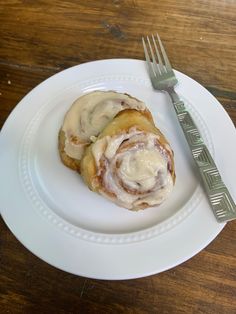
[{"x": 117, "y": 276}]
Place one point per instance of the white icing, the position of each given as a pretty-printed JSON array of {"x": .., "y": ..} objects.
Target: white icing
[
  {"x": 75, "y": 150},
  {"x": 98, "y": 149},
  {"x": 90, "y": 113},
  {"x": 142, "y": 169},
  {"x": 113, "y": 146}
]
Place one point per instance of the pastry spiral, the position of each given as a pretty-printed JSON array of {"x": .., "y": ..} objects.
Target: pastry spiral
[
  {"x": 130, "y": 163},
  {"x": 87, "y": 117}
]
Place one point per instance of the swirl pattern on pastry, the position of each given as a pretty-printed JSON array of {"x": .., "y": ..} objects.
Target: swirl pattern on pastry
[
  {"x": 130, "y": 163},
  {"x": 87, "y": 117}
]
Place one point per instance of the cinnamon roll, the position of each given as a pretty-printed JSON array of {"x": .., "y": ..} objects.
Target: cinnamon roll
[
  {"x": 87, "y": 117},
  {"x": 131, "y": 162}
]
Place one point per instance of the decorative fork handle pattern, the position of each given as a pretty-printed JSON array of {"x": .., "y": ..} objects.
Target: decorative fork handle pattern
[{"x": 220, "y": 199}]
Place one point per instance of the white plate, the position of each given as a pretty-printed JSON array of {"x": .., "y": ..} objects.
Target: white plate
[{"x": 54, "y": 214}]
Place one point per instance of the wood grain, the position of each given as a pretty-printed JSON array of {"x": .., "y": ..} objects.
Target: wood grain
[{"x": 41, "y": 38}]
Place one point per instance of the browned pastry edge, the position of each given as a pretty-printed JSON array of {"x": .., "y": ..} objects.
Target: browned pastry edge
[{"x": 68, "y": 161}]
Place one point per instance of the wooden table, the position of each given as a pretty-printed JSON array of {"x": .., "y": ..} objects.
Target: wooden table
[{"x": 40, "y": 38}]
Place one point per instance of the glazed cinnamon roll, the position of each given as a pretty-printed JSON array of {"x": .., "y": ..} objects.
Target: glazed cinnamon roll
[
  {"x": 131, "y": 162},
  {"x": 87, "y": 117}
]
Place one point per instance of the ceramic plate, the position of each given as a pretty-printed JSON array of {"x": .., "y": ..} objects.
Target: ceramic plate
[{"x": 50, "y": 210}]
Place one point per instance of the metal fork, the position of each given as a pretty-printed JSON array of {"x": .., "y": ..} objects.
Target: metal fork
[{"x": 163, "y": 78}]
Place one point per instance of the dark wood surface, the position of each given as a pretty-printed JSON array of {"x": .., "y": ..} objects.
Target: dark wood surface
[{"x": 41, "y": 38}]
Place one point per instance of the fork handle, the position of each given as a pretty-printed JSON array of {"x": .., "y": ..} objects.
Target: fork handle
[{"x": 221, "y": 201}]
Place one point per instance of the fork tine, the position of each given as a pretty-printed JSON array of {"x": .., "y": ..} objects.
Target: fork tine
[
  {"x": 154, "y": 62},
  {"x": 166, "y": 60},
  {"x": 150, "y": 69},
  {"x": 161, "y": 68}
]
